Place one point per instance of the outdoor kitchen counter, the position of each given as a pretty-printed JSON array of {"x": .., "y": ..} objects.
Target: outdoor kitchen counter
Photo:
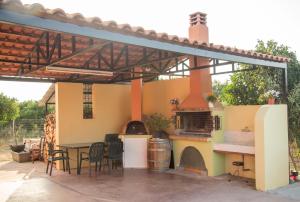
[
  {"x": 135, "y": 150},
  {"x": 134, "y": 136},
  {"x": 233, "y": 148},
  {"x": 238, "y": 142}
]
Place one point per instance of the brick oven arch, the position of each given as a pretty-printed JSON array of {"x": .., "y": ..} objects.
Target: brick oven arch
[{"x": 192, "y": 160}]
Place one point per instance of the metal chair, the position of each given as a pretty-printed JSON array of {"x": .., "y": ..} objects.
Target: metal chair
[
  {"x": 115, "y": 155},
  {"x": 112, "y": 137},
  {"x": 94, "y": 155},
  {"x": 57, "y": 155}
]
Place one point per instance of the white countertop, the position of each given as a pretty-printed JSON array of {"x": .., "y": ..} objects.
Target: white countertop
[{"x": 234, "y": 148}]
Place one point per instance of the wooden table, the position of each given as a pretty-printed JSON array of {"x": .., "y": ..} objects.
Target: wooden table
[{"x": 76, "y": 146}]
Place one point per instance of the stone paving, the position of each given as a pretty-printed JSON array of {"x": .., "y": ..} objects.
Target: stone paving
[{"x": 28, "y": 182}]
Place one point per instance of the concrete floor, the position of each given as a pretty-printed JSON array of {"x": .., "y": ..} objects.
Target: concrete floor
[{"x": 28, "y": 182}]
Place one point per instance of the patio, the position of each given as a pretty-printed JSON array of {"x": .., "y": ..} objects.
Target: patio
[
  {"x": 28, "y": 182},
  {"x": 106, "y": 75}
]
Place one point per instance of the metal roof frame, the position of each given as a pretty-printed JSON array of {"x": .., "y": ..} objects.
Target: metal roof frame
[{"x": 53, "y": 25}]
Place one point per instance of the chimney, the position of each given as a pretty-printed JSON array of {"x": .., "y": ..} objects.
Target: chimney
[
  {"x": 198, "y": 31},
  {"x": 136, "y": 98},
  {"x": 200, "y": 80}
]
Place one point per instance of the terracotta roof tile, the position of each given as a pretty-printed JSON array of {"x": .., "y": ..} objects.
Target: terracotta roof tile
[
  {"x": 125, "y": 27},
  {"x": 174, "y": 38},
  {"x": 184, "y": 40},
  {"x": 77, "y": 18},
  {"x": 94, "y": 20},
  {"x": 56, "y": 12},
  {"x": 151, "y": 33},
  {"x": 110, "y": 24}
]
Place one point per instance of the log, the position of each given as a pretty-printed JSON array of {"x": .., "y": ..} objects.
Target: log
[{"x": 49, "y": 132}]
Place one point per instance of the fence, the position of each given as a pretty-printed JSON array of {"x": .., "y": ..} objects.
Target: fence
[{"x": 15, "y": 131}]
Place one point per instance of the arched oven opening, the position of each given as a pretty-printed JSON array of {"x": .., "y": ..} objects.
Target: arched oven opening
[{"x": 192, "y": 160}]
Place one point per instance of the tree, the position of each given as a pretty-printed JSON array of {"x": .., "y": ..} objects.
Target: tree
[
  {"x": 218, "y": 88},
  {"x": 250, "y": 87},
  {"x": 272, "y": 47},
  {"x": 294, "y": 124},
  {"x": 244, "y": 88},
  {"x": 31, "y": 110},
  {"x": 294, "y": 112},
  {"x": 30, "y": 119},
  {"x": 9, "y": 109}
]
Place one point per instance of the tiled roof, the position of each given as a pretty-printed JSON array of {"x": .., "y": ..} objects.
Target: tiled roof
[{"x": 95, "y": 22}]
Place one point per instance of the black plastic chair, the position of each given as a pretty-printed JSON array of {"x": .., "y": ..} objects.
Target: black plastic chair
[
  {"x": 57, "y": 155},
  {"x": 115, "y": 155},
  {"x": 94, "y": 155},
  {"x": 112, "y": 137}
]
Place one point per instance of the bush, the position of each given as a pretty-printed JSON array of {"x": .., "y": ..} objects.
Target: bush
[{"x": 157, "y": 122}]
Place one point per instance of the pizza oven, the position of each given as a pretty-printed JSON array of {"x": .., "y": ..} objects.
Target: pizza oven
[{"x": 135, "y": 128}]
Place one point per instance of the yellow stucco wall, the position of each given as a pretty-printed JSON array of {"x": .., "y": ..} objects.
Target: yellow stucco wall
[
  {"x": 217, "y": 135},
  {"x": 157, "y": 95},
  {"x": 271, "y": 147},
  {"x": 111, "y": 110},
  {"x": 239, "y": 117}
]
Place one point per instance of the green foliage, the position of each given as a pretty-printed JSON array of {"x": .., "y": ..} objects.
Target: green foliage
[
  {"x": 294, "y": 112},
  {"x": 28, "y": 118},
  {"x": 218, "y": 88},
  {"x": 252, "y": 87},
  {"x": 157, "y": 122},
  {"x": 211, "y": 98},
  {"x": 272, "y": 47},
  {"x": 9, "y": 109},
  {"x": 31, "y": 110},
  {"x": 244, "y": 88}
]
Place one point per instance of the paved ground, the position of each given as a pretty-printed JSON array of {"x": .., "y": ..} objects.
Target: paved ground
[{"x": 28, "y": 182}]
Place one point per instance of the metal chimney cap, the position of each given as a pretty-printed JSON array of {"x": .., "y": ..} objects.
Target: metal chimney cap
[{"x": 198, "y": 18}]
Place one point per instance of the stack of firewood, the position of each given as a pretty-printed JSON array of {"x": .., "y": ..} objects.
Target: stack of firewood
[{"x": 49, "y": 131}]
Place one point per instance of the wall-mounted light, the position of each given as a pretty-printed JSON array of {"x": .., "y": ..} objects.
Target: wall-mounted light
[{"x": 78, "y": 71}]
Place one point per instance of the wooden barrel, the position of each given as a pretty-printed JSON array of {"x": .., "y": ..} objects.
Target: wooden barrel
[{"x": 159, "y": 154}]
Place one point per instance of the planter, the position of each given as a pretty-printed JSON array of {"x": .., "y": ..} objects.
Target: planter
[
  {"x": 20, "y": 156},
  {"x": 271, "y": 101},
  {"x": 17, "y": 148},
  {"x": 294, "y": 173},
  {"x": 160, "y": 134}
]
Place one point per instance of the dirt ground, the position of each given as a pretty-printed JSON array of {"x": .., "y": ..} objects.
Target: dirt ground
[{"x": 5, "y": 154}]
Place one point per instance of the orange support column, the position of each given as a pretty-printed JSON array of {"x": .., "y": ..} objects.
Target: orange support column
[{"x": 136, "y": 99}]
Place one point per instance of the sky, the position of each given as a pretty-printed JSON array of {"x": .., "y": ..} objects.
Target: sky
[{"x": 232, "y": 23}]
